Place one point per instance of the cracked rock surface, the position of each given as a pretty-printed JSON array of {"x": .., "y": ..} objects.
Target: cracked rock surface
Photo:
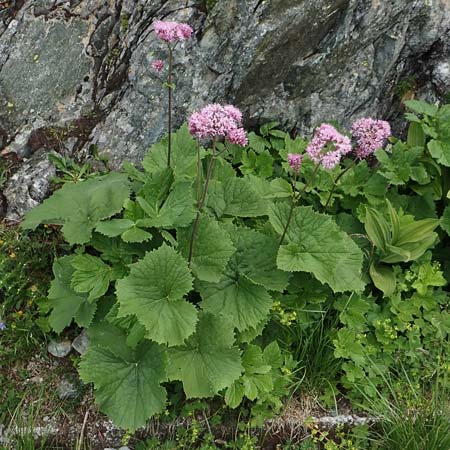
[{"x": 74, "y": 73}]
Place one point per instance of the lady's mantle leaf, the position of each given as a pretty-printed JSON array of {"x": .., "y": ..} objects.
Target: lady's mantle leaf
[
  {"x": 208, "y": 362},
  {"x": 315, "y": 244},
  {"x": 127, "y": 381},
  {"x": 66, "y": 303},
  {"x": 212, "y": 249},
  {"x": 154, "y": 292}
]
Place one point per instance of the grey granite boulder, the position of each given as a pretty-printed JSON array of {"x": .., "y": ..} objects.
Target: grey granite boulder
[
  {"x": 81, "y": 69},
  {"x": 28, "y": 186}
]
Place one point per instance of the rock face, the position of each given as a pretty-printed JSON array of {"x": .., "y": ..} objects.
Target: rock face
[{"x": 76, "y": 73}]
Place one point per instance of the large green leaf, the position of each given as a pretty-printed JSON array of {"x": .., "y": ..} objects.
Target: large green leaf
[
  {"x": 154, "y": 290},
  {"x": 421, "y": 107},
  {"x": 315, "y": 244},
  {"x": 445, "y": 220},
  {"x": 183, "y": 157},
  {"x": 377, "y": 228},
  {"x": 440, "y": 151},
  {"x": 416, "y": 136},
  {"x": 66, "y": 304},
  {"x": 127, "y": 381},
  {"x": 243, "y": 302},
  {"x": 78, "y": 207},
  {"x": 157, "y": 187},
  {"x": 114, "y": 227},
  {"x": 256, "y": 258},
  {"x": 241, "y": 294},
  {"x": 236, "y": 197},
  {"x": 383, "y": 278},
  {"x": 115, "y": 250},
  {"x": 212, "y": 249},
  {"x": 176, "y": 211},
  {"x": 208, "y": 362},
  {"x": 91, "y": 276}
]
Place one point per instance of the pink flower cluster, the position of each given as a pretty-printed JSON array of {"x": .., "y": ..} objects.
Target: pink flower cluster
[
  {"x": 158, "y": 65},
  {"x": 328, "y": 146},
  {"x": 295, "y": 161},
  {"x": 215, "y": 121},
  {"x": 172, "y": 31},
  {"x": 370, "y": 135}
]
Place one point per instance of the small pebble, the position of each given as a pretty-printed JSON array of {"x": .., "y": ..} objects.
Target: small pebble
[
  {"x": 66, "y": 390},
  {"x": 81, "y": 342},
  {"x": 59, "y": 349}
]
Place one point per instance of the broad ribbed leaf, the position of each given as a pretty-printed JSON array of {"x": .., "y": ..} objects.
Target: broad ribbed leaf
[
  {"x": 212, "y": 249},
  {"x": 241, "y": 294},
  {"x": 256, "y": 258},
  {"x": 176, "y": 211},
  {"x": 383, "y": 278},
  {"x": 315, "y": 244},
  {"x": 421, "y": 107},
  {"x": 240, "y": 300},
  {"x": 416, "y": 231},
  {"x": 236, "y": 197},
  {"x": 416, "y": 136},
  {"x": 183, "y": 156},
  {"x": 127, "y": 381},
  {"x": 157, "y": 187},
  {"x": 79, "y": 207},
  {"x": 66, "y": 304},
  {"x": 208, "y": 362},
  {"x": 114, "y": 227},
  {"x": 440, "y": 151},
  {"x": 377, "y": 229},
  {"x": 154, "y": 290},
  {"x": 241, "y": 199},
  {"x": 91, "y": 276}
]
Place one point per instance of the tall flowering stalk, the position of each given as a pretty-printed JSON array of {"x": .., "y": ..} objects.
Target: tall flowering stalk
[
  {"x": 171, "y": 33},
  {"x": 213, "y": 122},
  {"x": 295, "y": 161},
  {"x": 326, "y": 149},
  {"x": 370, "y": 135}
]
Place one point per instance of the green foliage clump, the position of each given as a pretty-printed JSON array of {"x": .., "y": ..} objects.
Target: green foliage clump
[{"x": 353, "y": 255}]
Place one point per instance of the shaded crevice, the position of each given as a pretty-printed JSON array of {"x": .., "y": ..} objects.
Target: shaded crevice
[
  {"x": 55, "y": 138},
  {"x": 10, "y": 10}
]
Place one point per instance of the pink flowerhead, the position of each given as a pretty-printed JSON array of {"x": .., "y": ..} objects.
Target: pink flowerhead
[
  {"x": 158, "y": 65},
  {"x": 215, "y": 120},
  {"x": 238, "y": 136},
  {"x": 328, "y": 146},
  {"x": 295, "y": 161},
  {"x": 184, "y": 31},
  {"x": 370, "y": 135},
  {"x": 172, "y": 31},
  {"x": 233, "y": 112}
]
